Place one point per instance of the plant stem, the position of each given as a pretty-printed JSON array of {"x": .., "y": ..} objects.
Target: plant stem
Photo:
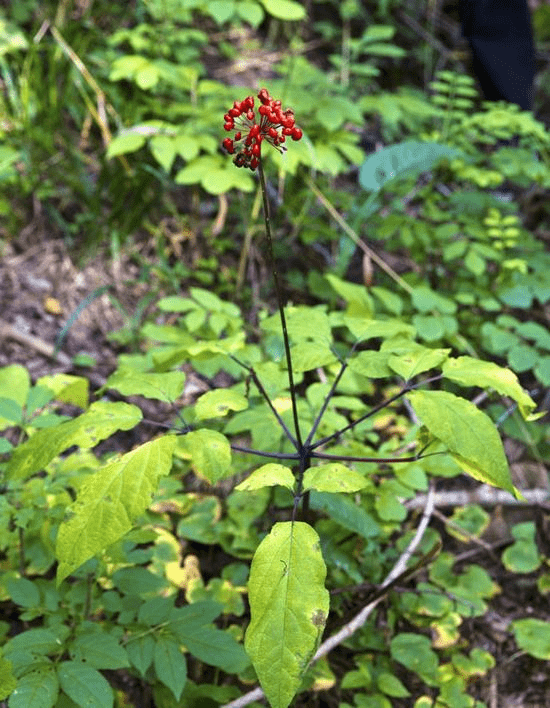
[{"x": 280, "y": 303}]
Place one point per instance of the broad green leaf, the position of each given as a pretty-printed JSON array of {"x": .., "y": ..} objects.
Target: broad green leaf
[
  {"x": 345, "y": 512},
  {"x": 87, "y": 430},
  {"x": 109, "y": 501},
  {"x": 99, "y": 650},
  {"x": 216, "y": 648},
  {"x": 289, "y": 606},
  {"x": 427, "y": 300},
  {"x": 268, "y": 476},
  {"x": 170, "y": 665},
  {"x": 84, "y": 685},
  {"x": 357, "y": 297},
  {"x": 284, "y": 9},
  {"x": 16, "y": 381},
  {"x": 219, "y": 402},
  {"x": 371, "y": 364},
  {"x": 138, "y": 581},
  {"x": 23, "y": 592},
  {"x": 410, "y": 157},
  {"x": 187, "y": 146},
  {"x": 11, "y": 412},
  {"x": 140, "y": 652},
  {"x": 221, "y": 10},
  {"x": 209, "y": 452},
  {"x": 533, "y": 636},
  {"x": 207, "y": 643},
  {"x": 166, "y": 387},
  {"x": 523, "y": 555},
  {"x": 38, "y": 688},
  {"x": 8, "y": 681},
  {"x": 333, "y": 477},
  {"x": 67, "y": 388},
  {"x": 415, "y": 653},
  {"x": 417, "y": 361},
  {"x": 38, "y": 642},
  {"x": 363, "y": 328},
  {"x": 391, "y": 685},
  {"x": 125, "y": 143},
  {"x": 164, "y": 150},
  {"x": 303, "y": 323},
  {"x": 469, "y": 434},
  {"x": 250, "y": 12},
  {"x": 467, "y": 371}
]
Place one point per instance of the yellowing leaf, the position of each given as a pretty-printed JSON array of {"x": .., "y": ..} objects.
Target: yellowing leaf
[
  {"x": 469, "y": 434},
  {"x": 99, "y": 422},
  {"x": 467, "y": 371},
  {"x": 333, "y": 477},
  {"x": 109, "y": 501},
  {"x": 209, "y": 452},
  {"x": 219, "y": 402},
  {"x": 289, "y": 606},
  {"x": 284, "y": 9},
  {"x": 268, "y": 476}
]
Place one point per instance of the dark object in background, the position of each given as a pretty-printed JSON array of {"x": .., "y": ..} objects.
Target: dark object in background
[{"x": 501, "y": 39}]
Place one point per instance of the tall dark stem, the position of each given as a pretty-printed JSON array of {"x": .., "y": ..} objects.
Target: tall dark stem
[{"x": 280, "y": 303}]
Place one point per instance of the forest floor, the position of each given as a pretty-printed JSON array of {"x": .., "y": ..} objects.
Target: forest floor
[{"x": 42, "y": 285}]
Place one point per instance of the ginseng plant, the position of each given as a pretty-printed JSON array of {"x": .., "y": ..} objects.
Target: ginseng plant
[{"x": 289, "y": 603}]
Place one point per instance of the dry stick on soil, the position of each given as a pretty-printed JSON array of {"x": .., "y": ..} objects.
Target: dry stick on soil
[
  {"x": 7, "y": 331},
  {"x": 359, "y": 620}
]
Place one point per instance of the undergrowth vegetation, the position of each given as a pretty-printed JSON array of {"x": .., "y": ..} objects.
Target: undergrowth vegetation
[{"x": 281, "y": 526}]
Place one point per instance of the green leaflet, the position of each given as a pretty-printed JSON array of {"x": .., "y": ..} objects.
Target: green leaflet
[
  {"x": 289, "y": 605},
  {"x": 533, "y": 636},
  {"x": 36, "y": 689},
  {"x": 109, "y": 501},
  {"x": 333, "y": 477},
  {"x": 170, "y": 665},
  {"x": 84, "y": 685},
  {"x": 209, "y": 452},
  {"x": 284, "y": 9},
  {"x": 268, "y": 476},
  {"x": 467, "y": 371},
  {"x": 166, "y": 387},
  {"x": 469, "y": 434},
  {"x": 99, "y": 422},
  {"x": 8, "y": 681},
  {"x": 219, "y": 402}
]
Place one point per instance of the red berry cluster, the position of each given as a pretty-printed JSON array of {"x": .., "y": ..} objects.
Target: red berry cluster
[{"x": 274, "y": 125}]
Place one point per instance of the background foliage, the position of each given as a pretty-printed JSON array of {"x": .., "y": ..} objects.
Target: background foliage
[{"x": 111, "y": 119}]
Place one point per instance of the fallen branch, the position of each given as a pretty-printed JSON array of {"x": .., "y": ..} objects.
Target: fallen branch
[
  {"x": 483, "y": 495},
  {"x": 7, "y": 331}
]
